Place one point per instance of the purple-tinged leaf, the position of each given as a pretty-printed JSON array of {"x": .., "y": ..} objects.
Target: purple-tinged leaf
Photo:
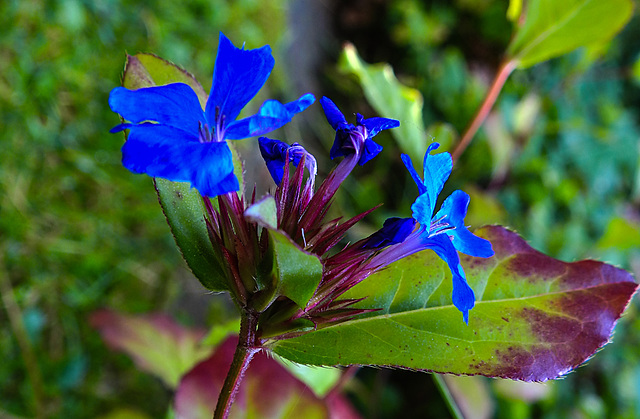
[
  {"x": 536, "y": 318},
  {"x": 156, "y": 343},
  {"x": 268, "y": 390}
]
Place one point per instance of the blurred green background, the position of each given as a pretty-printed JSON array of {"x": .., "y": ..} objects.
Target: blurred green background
[{"x": 558, "y": 160}]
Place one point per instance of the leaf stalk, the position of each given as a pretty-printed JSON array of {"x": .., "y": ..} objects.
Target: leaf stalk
[{"x": 505, "y": 70}]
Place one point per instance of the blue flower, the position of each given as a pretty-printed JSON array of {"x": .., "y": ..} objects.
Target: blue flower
[
  {"x": 394, "y": 230},
  {"x": 171, "y": 137},
  {"x": 357, "y": 139},
  {"x": 444, "y": 232},
  {"x": 275, "y": 152}
]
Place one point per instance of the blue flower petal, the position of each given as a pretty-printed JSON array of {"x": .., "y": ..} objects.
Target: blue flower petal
[
  {"x": 412, "y": 171},
  {"x": 175, "y": 105},
  {"x": 437, "y": 168},
  {"x": 301, "y": 104},
  {"x": 394, "y": 230},
  {"x": 238, "y": 75},
  {"x": 272, "y": 115},
  {"x": 375, "y": 125},
  {"x": 274, "y": 153},
  {"x": 422, "y": 210},
  {"x": 462, "y": 296},
  {"x": 454, "y": 209},
  {"x": 335, "y": 118},
  {"x": 371, "y": 149},
  {"x": 153, "y": 149}
]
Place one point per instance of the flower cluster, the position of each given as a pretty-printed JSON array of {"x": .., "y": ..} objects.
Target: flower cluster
[{"x": 171, "y": 136}]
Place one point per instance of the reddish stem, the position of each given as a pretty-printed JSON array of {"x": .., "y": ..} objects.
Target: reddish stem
[
  {"x": 496, "y": 86},
  {"x": 246, "y": 349}
]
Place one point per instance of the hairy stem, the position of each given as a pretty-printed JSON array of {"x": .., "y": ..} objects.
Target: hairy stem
[
  {"x": 246, "y": 349},
  {"x": 496, "y": 86}
]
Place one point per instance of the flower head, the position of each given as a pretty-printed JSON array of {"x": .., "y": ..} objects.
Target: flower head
[
  {"x": 444, "y": 232},
  {"x": 357, "y": 138},
  {"x": 172, "y": 137},
  {"x": 277, "y": 154}
]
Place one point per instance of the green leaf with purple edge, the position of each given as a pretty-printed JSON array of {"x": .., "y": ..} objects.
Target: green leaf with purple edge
[
  {"x": 267, "y": 391},
  {"x": 182, "y": 205},
  {"x": 536, "y": 318},
  {"x": 156, "y": 343},
  {"x": 552, "y": 28}
]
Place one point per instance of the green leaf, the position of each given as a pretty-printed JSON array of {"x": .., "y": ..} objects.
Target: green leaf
[
  {"x": 442, "y": 133},
  {"x": 536, "y": 317},
  {"x": 145, "y": 70},
  {"x": 182, "y": 205},
  {"x": 263, "y": 212},
  {"x": 552, "y": 28},
  {"x": 155, "y": 342},
  {"x": 299, "y": 272},
  {"x": 391, "y": 99},
  {"x": 514, "y": 10},
  {"x": 635, "y": 71},
  {"x": 184, "y": 209}
]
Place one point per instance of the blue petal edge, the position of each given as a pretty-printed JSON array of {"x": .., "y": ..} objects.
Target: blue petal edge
[
  {"x": 152, "y": 149},
  {"x": 238, "y": 75}
]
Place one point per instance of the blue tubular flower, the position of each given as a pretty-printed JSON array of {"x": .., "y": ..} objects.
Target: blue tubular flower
[
  {"x": 357, "y": 139},
  {"x": 395, "y": 230},
  {"x": 170, "y": 136},
  {"x": 274, "y": 153},
  {"x": 444, "y": 233}
]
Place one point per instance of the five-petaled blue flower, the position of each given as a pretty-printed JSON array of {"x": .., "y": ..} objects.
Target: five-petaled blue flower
[
  {"x": 444, "y": 232},
  {"x": 171, "y": 137},
  {"x": 357, "y": 139}
]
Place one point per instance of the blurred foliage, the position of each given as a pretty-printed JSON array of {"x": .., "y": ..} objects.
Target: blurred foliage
[
  {"x": 558, "y": 161},
  {"x": 78, "y": 231}
]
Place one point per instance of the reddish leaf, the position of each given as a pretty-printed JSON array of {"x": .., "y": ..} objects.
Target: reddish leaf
[
  {"x": 267, "y": 391},
  {"x": 156, "y": 343}
]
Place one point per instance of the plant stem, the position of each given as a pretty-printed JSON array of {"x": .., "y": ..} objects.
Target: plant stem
[
  {"x": 20, "y": 332},
  {"x": 246, "y": 349},
  {"x": 504, "y": 71},
  {"x": 447, "y": 396}
]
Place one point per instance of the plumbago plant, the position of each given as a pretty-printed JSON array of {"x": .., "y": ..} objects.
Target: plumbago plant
[{"x": 421, "y": 293}]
